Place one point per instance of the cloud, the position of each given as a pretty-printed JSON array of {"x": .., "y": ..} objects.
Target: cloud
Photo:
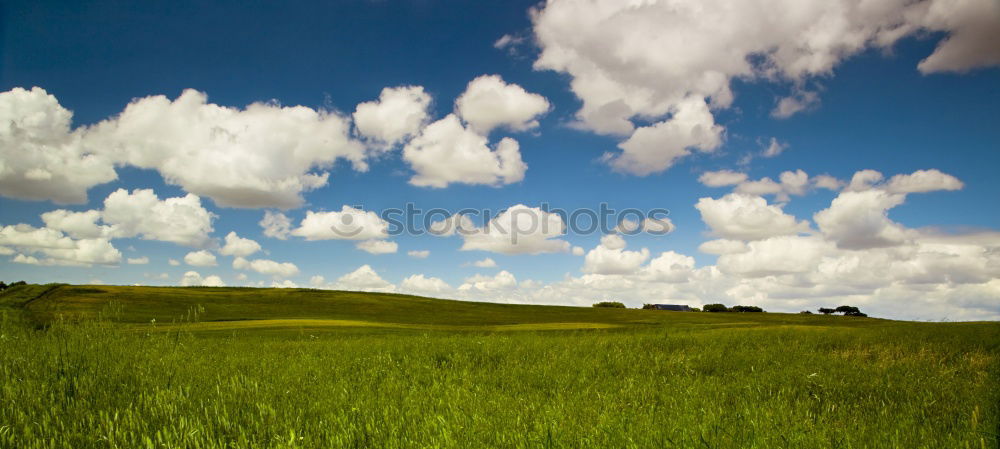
[
  {"x": 519, "y": 230},
  {"x": 265, "y": 155},
  {"x": 795, "y": 183},
  {"x": 928, "y": 275},
  {"x": 722, "y": 178},
  {"x": 775, "y": 256},
  {"x": 40, "y": 157},
  {"x": 860, "y": 220},
  {"x": 268, "y": 267},
  {"x": 632, "y": 63},
  {"x": 451, "y": 225},
  {"x": 180, "y": 220},
  {"x": 193, "y": 279},
  {"x": 418, "y": 254},
  {"x": 859, "y": 217},
  {"x": 377, "y": 246},
  {"x": 670, "y": 267},
  {"x": 284, "y": 284},
  {"x": 577, "y": 251},
  {"x": 24, "y": 235},
  {"x": 447, "y": 152},
  {"x": 137, "y": 260},
  {"x": 973, "y": 35},
  {"x": 722, "y": 246},
  {"x": 922, "y": 181},
  {"x": 77, "y": 238},
  {"x": 610, "y": 257},
  {"x": 173, "y": 262},
  {"x": 864, "y": 180},
  {"x": 655, "y": 148},
  {"x": 317, "y": 281},
  {"x": 774, "y": 148},
  {"x": 398, "y": 114},
  {"x": 200, "y": 258},
  {"x": 420, "y": 284},
  {"x": 500, "y": 281},
  {"x": 348, "y": 224},
  {"x": 86, "y": 252},
  {"x": 238, "y": 246},
  {"x": 746, "y": 217},
  {"x": 56, "y": 248},
  {"x": 363, "y": 279},
  {"x": 828, "y": 182},
  {"x": 512, "y": 43},
  {"x": 485, "y": 263},
  {"x": 276, "y": 225},
  {"x": 488, "y": 102},
  {"x": 793, "y": 104},
  {"x": 80, "y": 225},
  {"x": 658, "y": 226}
]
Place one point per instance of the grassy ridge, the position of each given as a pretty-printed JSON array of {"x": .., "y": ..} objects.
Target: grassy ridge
[
  {"x": 45, "y": 304},
  {"x": 655, "y": 379}
]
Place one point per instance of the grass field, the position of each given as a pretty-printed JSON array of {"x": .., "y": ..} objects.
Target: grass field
[{"x": 143, "y": 367}]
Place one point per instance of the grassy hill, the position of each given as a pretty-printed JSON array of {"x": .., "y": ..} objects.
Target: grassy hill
[
  {"x": 84, "y": 367},
  {"x": 220, "y": 308}
]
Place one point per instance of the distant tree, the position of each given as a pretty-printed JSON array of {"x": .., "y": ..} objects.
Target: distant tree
[
  {"x": 15, "y": 284},
  {"x": 695, "y": 309},
  {"x": 806, "y": 312},
  {"x": 847, "y": 309},
  {"x": 611, "y": 304},
  {"x": 648, "y": 307},
  {"x": 714, "y": 308},
  {"x": 856, "y": 313},
  {"x": 3, "y": 286},
  {"x": 746, "y": 309},
  {"x": 826, "y": 311}
]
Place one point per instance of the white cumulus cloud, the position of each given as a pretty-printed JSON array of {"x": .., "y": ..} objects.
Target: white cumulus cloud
[
  {"x": 238, "y": 246},
  {"x": 398, "y": 114},
  {"x": 447, "y": 152},
  {"x": 194, "y": 279},
  {"x": 363, "y": 279},
  {"x": 745, "y": 217},
  {"x": 276, "y": 225},
  {"x": 265, "y": 155},
  {"x": 41, "y": 158},
  {"x": 519, "y": 230},
  {"x": 180, "y": 220},
  {"x": 488, "y": 102},
  {"x": 420, "y": 284},
  {"x": 377, "y": 246},
  {"x": 348, "y": 224},
  {"x": 200, "y": 258},
  {"x": 266, "y": 266},
  {"x": 485, "y": 263},
  {"x": 610, "y": 257},
  {"x": 418, "y": 254},
  {"x": 667, "y": 62}
]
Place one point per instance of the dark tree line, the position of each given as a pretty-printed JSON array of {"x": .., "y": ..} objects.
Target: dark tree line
[
  {"x": 4, "y": 286},
  {"x": 610, "y": 304},
  {"x": 846, "y": 310},
  {"x": 723, "y": 308}
]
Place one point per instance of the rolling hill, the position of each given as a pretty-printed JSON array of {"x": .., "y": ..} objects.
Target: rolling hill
[{"x": 220, "y": 308}]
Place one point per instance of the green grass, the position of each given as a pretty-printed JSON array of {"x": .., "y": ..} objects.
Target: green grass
[{"x": 84, "y": 367}]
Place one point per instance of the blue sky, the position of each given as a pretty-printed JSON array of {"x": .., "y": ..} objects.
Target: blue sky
[{"x": 865, "y": 105}]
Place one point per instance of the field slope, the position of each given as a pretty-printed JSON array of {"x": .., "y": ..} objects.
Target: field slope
[
  {"x": 220, "y": 308},
  {"x": 88, "y": 367}
]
